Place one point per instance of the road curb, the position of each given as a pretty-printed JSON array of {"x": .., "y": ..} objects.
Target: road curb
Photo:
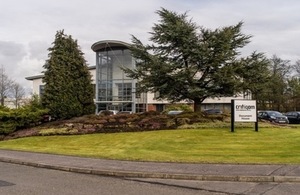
[{"x": 137, "y": 174}]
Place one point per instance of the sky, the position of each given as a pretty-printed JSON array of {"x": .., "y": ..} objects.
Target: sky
[{"x": 28, "y": 27}]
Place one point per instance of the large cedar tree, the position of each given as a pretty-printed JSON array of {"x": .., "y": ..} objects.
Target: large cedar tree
[{"x": 185, "y": 62}]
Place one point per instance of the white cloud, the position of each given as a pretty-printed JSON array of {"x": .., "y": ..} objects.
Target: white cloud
[
  {"x": 11, "y": 54},
  {"x": 38, "y": 49}
]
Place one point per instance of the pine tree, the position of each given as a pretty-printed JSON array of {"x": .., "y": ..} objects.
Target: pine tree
[{"x": 68, "y": 86}]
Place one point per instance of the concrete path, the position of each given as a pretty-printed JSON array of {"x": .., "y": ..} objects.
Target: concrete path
[{"x": 186, "y": 171}]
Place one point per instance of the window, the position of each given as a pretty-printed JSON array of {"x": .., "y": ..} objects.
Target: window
[
  {"x": 125, "y": 91},
  {"x": 42, "y": 89}
]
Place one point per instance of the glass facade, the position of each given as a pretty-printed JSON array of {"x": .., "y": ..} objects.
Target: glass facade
[
  {"x": 114, "y": 90},
  {"x": 112, "y": 82}
]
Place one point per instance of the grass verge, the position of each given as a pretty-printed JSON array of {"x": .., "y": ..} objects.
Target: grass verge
[{"x": 267, "y": 146}]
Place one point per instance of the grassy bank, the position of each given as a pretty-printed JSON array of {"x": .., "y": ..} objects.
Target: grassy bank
[{"x": 218, "y": 145}]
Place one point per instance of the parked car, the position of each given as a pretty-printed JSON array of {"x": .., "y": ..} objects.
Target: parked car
[
  {"x": 124, "y": 112},
  {"x": 294, "y": 117},
  {"x": 213, "y": 111},
  {"x": 273, "y": 116},
  {"x": 108, "y": 112},
  {"x": 174, "y": 112}
]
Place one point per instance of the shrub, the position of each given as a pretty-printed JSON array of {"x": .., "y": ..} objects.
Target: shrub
[
  {"x": 15, "y": 119},
  {"x": 7, "y": 127},
  {"x": 146, "y": 121},
  {"x": 183, "y": 107},
  {"x": 182, "y": 121}
]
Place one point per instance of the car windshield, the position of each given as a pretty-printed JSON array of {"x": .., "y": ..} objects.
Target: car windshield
[{"x": 274, "y": 113}]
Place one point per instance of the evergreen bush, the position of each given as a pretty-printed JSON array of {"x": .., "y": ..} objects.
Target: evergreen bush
[{"x": 20, "y": 118}]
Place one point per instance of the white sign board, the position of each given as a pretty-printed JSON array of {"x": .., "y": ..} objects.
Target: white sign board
[{"x": 245, "y": 111}]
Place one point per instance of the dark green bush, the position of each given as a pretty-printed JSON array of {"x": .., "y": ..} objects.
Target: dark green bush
[
  {"x": 14, "y": 119},
  {"x": 7, "y": 127}
]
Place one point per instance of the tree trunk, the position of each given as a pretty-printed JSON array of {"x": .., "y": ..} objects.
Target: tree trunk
[{"x": 197, "y": 105}]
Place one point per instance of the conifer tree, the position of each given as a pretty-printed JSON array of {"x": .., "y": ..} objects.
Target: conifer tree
[
  {"x": 188, "y": 62},
  {"x": 68, "y": 86}
]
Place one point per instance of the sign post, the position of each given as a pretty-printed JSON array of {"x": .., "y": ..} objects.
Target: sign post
[{"x": 243, "y": 111}]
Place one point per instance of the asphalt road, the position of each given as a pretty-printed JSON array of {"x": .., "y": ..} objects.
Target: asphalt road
[{"x": 26, "y": 180}]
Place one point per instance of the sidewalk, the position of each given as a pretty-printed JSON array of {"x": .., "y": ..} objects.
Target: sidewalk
[{"x": 185, "y": 171}]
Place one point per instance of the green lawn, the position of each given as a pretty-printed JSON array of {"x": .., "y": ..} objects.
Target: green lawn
[{"x": 268, "y": 145}]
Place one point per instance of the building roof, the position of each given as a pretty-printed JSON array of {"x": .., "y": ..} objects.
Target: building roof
[
  {"x": 31, "y": 78},
  {"x": 102, "y": 45},
  {"x": 91, "y": 67}
]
